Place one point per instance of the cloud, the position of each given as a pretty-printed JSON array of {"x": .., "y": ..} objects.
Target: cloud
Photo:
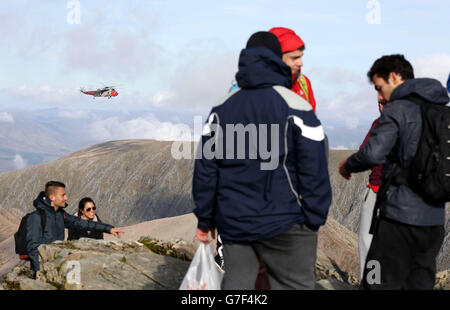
[
  {"x": 44, "y": 94},
  {"x": 103, "y": 49},
  {"x": 73, "y": 114},
  {"x": 435, "y": 66},
  {"x": 162, "y": 97},
  {"x": 199, "y": 85},
  {"x": 146, "y": 127},
  {"x": 349, "y": 100},
  {"x": 344, "y": 98},
  {"x": 19, "y": 162},
  {"x": 6, "y": 117}
]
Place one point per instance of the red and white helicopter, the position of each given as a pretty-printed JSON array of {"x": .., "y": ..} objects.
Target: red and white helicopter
[{"x": 107, "y": 91}]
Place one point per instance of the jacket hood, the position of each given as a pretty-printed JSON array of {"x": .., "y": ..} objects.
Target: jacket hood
[
  {"x": 259, "y": 67},
  {"x": 429, "y": 89},
  {"x": 42, "y": 202}
]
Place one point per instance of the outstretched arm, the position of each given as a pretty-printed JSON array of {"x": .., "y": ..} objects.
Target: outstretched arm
[{"x": 75, "y": 222}]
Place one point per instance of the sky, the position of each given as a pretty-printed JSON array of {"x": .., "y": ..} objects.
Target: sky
[{"x": 178, "y": 58}]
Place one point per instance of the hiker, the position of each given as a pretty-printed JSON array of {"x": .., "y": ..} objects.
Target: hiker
[
  {"x": 408, "y": 231},
  {"x": 87, "y": 211},
  {"x": 370, "y": 196},
  {"x": 255, "y": 203},
  {"x": 51, "y": 204},
  {"x": 293, "y": 47}
]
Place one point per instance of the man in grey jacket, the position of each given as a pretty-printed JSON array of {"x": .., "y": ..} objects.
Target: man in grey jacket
[
  {"x": 52, "y": 202},
  {"x": 408, "y": 232}
]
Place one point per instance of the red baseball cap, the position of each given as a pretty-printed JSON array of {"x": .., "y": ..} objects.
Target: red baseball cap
[{"x": 289, "y": 40}]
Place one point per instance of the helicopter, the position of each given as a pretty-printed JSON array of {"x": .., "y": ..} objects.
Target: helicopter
[{"x": 107, "y": 91}]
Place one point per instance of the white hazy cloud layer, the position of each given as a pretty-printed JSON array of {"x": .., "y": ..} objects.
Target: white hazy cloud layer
[
  {"x": 44, "y": 94},
  {"x": 436, "y": 66},
  {"x": 6, "y": 117},
  {"x": 19, "y": 162},
  {"x": 145, "y": 127}
]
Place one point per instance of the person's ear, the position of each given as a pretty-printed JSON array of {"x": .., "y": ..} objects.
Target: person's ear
[{"x": 395, "y": 78}]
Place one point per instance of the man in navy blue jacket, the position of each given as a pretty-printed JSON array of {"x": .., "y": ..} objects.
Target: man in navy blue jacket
[{"x": 261, "y": 175}]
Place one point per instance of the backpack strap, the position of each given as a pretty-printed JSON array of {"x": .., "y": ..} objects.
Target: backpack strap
[{"x": 403, "y": 174}]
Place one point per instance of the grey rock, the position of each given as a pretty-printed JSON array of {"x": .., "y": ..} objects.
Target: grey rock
[
  {"x": 89, "y": 264},
  {"x": 333, "y": 284}
]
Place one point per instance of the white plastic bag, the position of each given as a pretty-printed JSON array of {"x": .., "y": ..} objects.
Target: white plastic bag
[{"x": 202, "y": 273}]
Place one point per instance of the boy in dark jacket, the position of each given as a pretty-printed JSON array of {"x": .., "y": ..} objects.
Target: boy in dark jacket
[
  {"x": 409, "y": 231},
  {"x": 53, "y": 201},
  {"x": 267, "y": 191}
]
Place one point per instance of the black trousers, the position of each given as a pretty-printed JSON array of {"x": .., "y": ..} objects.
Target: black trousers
[{"x": 402, "y": 256}]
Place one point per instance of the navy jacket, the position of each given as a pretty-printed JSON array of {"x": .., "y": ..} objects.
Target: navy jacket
[
  {"x": 54, "y": 227},
  {"x": 398, "y": 132},
  {"x": 249, "y": 186},
  {"x": 448, "y": 83},
  {"x": 75, "y": 234}
]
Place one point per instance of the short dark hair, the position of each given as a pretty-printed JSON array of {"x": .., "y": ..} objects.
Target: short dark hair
[
  {"x": 51, "y": 186},
  {"x": 83, "y": 202},
  {"x": 391, "y": 63}
]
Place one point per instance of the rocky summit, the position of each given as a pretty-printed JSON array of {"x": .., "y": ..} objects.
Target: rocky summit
[
  {"x": 147, "y": 264},
  {"x": 90, "y": 264}
]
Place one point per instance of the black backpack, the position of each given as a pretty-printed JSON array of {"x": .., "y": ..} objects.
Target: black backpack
[
  {"x": 20, "y": 237},
  {"x": 429, "y": 173}
]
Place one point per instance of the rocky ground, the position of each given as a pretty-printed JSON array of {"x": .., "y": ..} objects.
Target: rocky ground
[{"x": 147, "y": 264}]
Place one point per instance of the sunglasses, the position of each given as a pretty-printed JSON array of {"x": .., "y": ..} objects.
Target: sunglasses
[{"x": 89, "y": 209}]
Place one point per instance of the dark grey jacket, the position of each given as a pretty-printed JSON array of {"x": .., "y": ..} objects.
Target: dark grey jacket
[
  {"x": 398, "y": 131},
  {"x": 75, "y": 234},
  {"x": 54, "y": 227}
]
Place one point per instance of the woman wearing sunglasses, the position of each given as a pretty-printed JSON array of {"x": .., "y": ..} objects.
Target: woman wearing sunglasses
[{"x": 87, "y": 211}]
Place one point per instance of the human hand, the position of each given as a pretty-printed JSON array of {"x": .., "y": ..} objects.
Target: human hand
[
  {"x": 116, "y": 232},
  {"x": 343, "y": 171},
  {"x": 202, "y": 234}
]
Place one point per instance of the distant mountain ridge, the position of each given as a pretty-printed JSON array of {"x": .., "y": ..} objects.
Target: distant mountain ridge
[{"x": 131, "y": 181}]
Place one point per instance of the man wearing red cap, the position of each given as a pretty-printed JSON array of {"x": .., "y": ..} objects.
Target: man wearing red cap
[{"x": 292, "y": 47}]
